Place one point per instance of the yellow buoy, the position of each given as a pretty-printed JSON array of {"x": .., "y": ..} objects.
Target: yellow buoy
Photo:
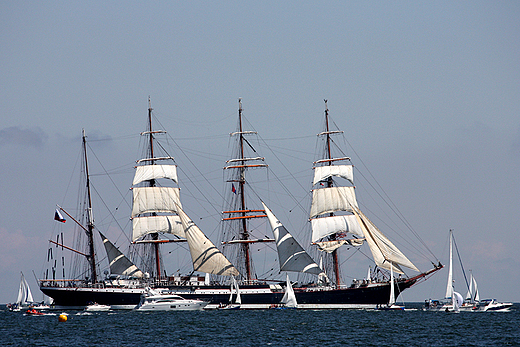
[{"x": 62, "y": 317}]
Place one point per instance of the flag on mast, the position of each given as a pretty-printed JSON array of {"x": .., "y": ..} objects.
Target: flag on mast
[{"x": 59, "y": 217}]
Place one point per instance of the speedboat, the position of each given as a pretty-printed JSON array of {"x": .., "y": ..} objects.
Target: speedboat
[
  {"x": 153, "y": 301},
  {"x": 97, "y": 307},
  {"x": 494, "y": 305}
]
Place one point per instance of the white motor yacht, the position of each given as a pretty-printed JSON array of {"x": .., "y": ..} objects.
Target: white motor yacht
[
  {"x": 494, "y": 305},
  {"x": 168, "y": 302}
]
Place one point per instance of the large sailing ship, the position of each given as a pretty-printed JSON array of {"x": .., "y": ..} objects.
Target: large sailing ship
[{"x": 158, "y": 218}]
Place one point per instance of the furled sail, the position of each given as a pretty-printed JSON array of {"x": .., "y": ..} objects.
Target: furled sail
[
  {"x": 205, "y": 256},
  {"x": 155, "y": 199},
  {"x": 119, "y": 264},
  {"x": 153, "y": 224},
  {"x": 321, "y": 173},
  {"x": 291, "y": 255},
  {"x": 330, "y": 246},
  {"x": 383, "y": 251},
  {"x": 323, "y": 227},
  {"x": 151, "y": 172},
  {"x": 327, "y": 200}
]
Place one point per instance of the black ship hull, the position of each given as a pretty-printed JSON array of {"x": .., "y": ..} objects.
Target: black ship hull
[{"x": 261, "y": 296}]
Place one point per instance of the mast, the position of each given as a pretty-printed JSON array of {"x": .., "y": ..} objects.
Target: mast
[
  {"x": 332, "y": 237},
  {"x": 244, "y": 233},
  {"x": 239, "y": 213},
  {"x": 90, "y": 219},
  {"x": 155, "y": 236}
]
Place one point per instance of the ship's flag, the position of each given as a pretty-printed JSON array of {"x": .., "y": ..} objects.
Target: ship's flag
[
  {"x": 233, "y": 188},
  {"x": 59, "y": 217}
]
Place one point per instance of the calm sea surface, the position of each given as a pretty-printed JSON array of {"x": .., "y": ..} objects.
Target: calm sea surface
[{"x": 264, "y": 328}]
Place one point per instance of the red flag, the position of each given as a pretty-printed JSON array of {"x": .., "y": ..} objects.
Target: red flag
[
  {"x": 233, "y": 188},
  {"x": 59, "y": 217}
]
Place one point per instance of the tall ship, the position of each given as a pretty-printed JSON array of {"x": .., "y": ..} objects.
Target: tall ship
[{"x": 158, "y": 219}]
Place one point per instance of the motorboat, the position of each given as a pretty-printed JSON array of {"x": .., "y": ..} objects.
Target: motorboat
[
  {"x": 494, "y": 305},
  {"x": 94, "y": 307},
  {"x": 154, "y": 301}
]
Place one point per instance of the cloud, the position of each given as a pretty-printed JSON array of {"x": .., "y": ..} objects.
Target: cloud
[{"x": 18, "y": 136}]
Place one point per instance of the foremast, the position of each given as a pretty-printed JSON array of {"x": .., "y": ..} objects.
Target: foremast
[
  {"x": 90, "y": 218},
  {"x": 238, "y": 214}
]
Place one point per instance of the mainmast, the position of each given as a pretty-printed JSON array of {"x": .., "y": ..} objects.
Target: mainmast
[
  {"x": 90, "y": 219},
  {"x": 244, "y": 233},
  {"x": 239, "y": 211}
]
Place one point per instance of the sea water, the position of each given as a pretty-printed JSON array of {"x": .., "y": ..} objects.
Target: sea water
[{"x": 413, "y": 327}]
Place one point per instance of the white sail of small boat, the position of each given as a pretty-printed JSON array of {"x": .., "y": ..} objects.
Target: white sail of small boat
[
  {"x": 391, "y": 301},
  {"x": 24, "y": 293},
  {"x": 289, "y": 298},
  {"x": 449, "y": 285},
  {"x": 233, "y": 304},
  {"x": 238, "y": 299},
  {"x": 457, "y": 301},
  {"x": 476, "y": 295},
  {"x": 472, "y": 295}
]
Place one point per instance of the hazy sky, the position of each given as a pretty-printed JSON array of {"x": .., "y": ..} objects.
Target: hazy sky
[{"x": 428, "y": 94}]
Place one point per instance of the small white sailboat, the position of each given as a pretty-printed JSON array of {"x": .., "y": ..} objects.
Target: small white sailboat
[
  {"x": 391, "y": 301},
  {"x": 233, "y": 305},
  {"x": 452, "y": 301},
  {"x": 289, "y": 298},
  {"x": 24, "y": 299}
]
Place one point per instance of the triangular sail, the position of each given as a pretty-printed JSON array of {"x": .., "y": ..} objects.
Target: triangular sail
[
  {"x": 469, "y": 294},
  {"x": 457, "y": 301},
  {"x": 391, "y": 301},
  {"x": 205, "y": 256},
  {"x": 476, "y": 296},
  {"x": 383, "y": 250},
  {"x": 291, "y": 255},
  {"x": 120, "y": 265},
  {"x": 289, "y": 298},
  {"x": 24, "y": 292},
  {"x": 449, "y": 286},
  {"x": 239, "y": 298}
]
